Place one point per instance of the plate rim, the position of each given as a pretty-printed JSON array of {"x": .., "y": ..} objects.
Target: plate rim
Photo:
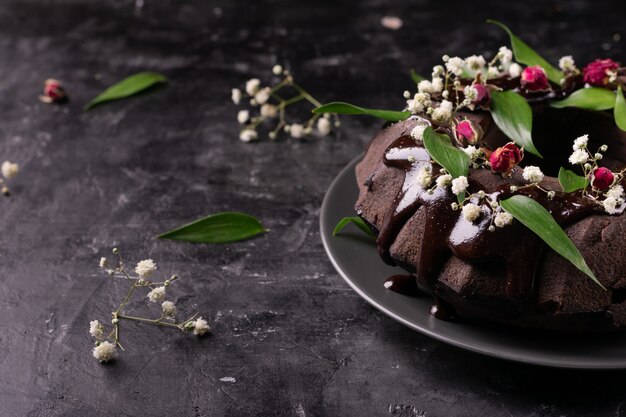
[{"x": 531, "y": 359}]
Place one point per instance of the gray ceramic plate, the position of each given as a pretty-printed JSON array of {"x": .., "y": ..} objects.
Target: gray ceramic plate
[{"x": 355, "y": 258}]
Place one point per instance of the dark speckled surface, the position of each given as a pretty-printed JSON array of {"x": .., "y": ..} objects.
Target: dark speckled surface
[{"x": 295, "y": 338}]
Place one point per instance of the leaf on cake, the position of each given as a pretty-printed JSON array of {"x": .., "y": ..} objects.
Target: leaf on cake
[
  {"x": 534, "y": 216},
  {"x": 221, "y": 227},
  {"x": 593, "y": 98},
  {"x": 347, "y": 108},
  {"x": 570, "y": 181},
  {"x": 514, "y": 117},
  {"x": 441, "y": 149},
  {"x": 526, "y": 55},
  {"x": 619, "y": 112}
]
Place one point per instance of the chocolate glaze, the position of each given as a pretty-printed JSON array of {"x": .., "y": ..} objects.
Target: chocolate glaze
[
  {"x": 402, "y": 284},
  {"x": 442, "y": 310},
  {"x": 447, "y": 232}
]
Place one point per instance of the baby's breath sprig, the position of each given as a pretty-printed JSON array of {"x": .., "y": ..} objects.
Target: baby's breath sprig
[
  {"x": 106, "y": 343},
  {"x": 272, "y": 106},
  {"x": 9, "y": 170}
]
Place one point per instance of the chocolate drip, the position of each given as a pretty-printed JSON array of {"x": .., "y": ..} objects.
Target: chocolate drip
[
  {"x": 447, "y": 232},
  {"x": 442, "y": 310},
  {"x": 402, "y": 284}
]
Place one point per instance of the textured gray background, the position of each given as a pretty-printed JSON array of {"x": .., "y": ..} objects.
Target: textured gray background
[{"x": 295, "y": 338}]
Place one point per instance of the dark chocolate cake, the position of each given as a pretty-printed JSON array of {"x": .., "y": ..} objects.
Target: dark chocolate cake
[{"x": 475, "y": 259}]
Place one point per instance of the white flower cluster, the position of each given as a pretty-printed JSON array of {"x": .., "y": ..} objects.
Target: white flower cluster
[
  {"x": 272, "y": 107},
  {"x": 106, "y": 343},
  {"x": 532, "y": 174},
  {"x": 567, "y": 64},
  {"x": 9, "y": 170}
]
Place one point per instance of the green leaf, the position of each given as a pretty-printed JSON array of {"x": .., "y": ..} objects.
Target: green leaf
[
  {"x": 534, "y": 216},
  {"x": 347, "y": 108},
  {"x": 357, "y": 221},
  {"x": 514, "y": 117},
  {"x": 570, "y": 181},
  {"x": 526, "y": 55},
  {"x": 593, "y": 98},
  {"x": 221, "y": 227},
  {"x": 129, "y": 86},
  {"x": 441, "y": 149},
  {"x": 416, "y": 77},
  {"x": 619, "y": 112}
]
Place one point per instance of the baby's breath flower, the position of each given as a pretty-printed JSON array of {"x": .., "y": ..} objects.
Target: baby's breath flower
[
  {"x": 424, "y": 177},
  {"x": 444, "y": 180},
  {"x": 96, "y": 329},
  {"x": 200, "y": 326},
  {"x": 425, "y": 86},
  {"x": 515, "y": 70},
  {"x": 277, "y": 69},
  {"x": 145, "y": 268},
  {"x": 9, "y": 169},
  {"x": 610, "y": 204},
  {"x": 243, "y": 116},
  {"x": 103, "y": 262},
  {"x": 470, "y": 212},
  {"x": 566, "y": 63},
  {"x": 324, "y": 126},
  {"x": 443, "y": 113},
  {"x": 532, "y": 174},
  {"x": 503, "y": 219},
  {"x": 104, "y": 352},
  {"x": 616, "y": 191},
  {"x": 262, "y": 96},
  {"x": 235, "y": 95},
  {"x": 157, "y": 294},
  {"x": 296, "y": 130},
  {"x": 551, "y": 194},
  {"x": 472, "y": 152},
  {"x": 454, "y": 206},
  {"x": 269, "y": 110},
  {"x": 455, "y": 65},
  {"x": 437, "y": 71},
  {"x": 475, "y": 63},
  {"x": 418, "y": 103},
  {"x": 248, "y": 135},
  {"x": 437, "y": 85},
  {"x": 169, "y": 309},
  {"x": 505, "y": 54},
  {"x": 579, "y": 156},
  {"x": 459, "y": 185},
  {"x": 252, "y": 86},
  {"x": 417, "y": 132},
  {"x": 580, "y": 142},
  {"x": 603, "y": 148}
]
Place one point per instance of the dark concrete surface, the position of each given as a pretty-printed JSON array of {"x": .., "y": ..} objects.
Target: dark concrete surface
[{"x": 295, "y": 338}]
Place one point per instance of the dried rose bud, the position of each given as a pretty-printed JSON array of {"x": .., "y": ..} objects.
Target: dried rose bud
[
  {"x": 483, "y": 95},
  {"x": 53, "y": 92},
  {"x": 468, "y": 131},
  {"x": 602, "y": 178},
  {"x": 505, "y": 158},
  {"x": 598, "y": 72},
  {"x": 535, "y": 79}
]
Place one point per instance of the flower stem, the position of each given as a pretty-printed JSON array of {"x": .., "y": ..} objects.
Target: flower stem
[{"x": 156, "y": 322}]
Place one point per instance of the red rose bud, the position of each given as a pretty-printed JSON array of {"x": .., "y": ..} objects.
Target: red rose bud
[
  {"x": 505, "y": 158},
  {"x": 53, "y": 92},
  {"x": 483, "y": 95},
  {"x": 598, "y": 72},
  {"x": 535, "y": 79},
  {"x": 602, "y": 178},
  {"x": 468, "y": 131}
]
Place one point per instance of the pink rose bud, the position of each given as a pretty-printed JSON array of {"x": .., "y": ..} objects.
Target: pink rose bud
[
  {"x": 468, "y": 131},
  {"x": 483, "y": 96},
  {"x": 598, "y": 72},
  {"x": 505, "y": 158},
  {"x": 602, "y": 178},
  {"x": 535, "y": 79},
  {"x": 53, "y": 92}
]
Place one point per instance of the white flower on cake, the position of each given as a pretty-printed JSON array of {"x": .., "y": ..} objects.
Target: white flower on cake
[
  {"x": 455, "y": 65},
  {"x": 104, "y": 352},
  {"x": 443, "y": 113},
  {"x": 470, "y": 212},
  {"x": 579, "y": 156},
  {"x": 473, "y": 152},
  {"x": 157, "y": 294},
  {"x": 269, "y": 110},
  {"x": 444, "y": 180},
  {"x": 296, "y": 130},
  {"x": 610, "y": 204},
  {"x": 262, "y": 95},
  {"x": 616, "y": 191},
  {"x": 417, "y": 132},
  {"x": 475, "y": 63},
  {"x": 424, "y": 177},
  {"x": 145, "y": 268},
  {"x": 425, "y": 86},
  {"x": 566, "y": 63},
  {"x": 459, "y": 185},
  {"x": 533, "y": 174},
  {"x": 503, "y": 219},
  {"x": 419, "y": 102},
  {"x": 580, "y": 142},
  {"x": 505, "y": 55},
  {"x": 437, "y": 85},
  {"x": 277, "y": 69},
  {"x": 515, "y": 70}
]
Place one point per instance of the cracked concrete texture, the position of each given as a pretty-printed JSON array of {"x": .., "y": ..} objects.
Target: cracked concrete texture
[{"x": 289, "y": 337}]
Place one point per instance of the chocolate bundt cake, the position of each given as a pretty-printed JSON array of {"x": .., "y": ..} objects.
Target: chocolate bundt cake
[{"x": 453, "y": 235}]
